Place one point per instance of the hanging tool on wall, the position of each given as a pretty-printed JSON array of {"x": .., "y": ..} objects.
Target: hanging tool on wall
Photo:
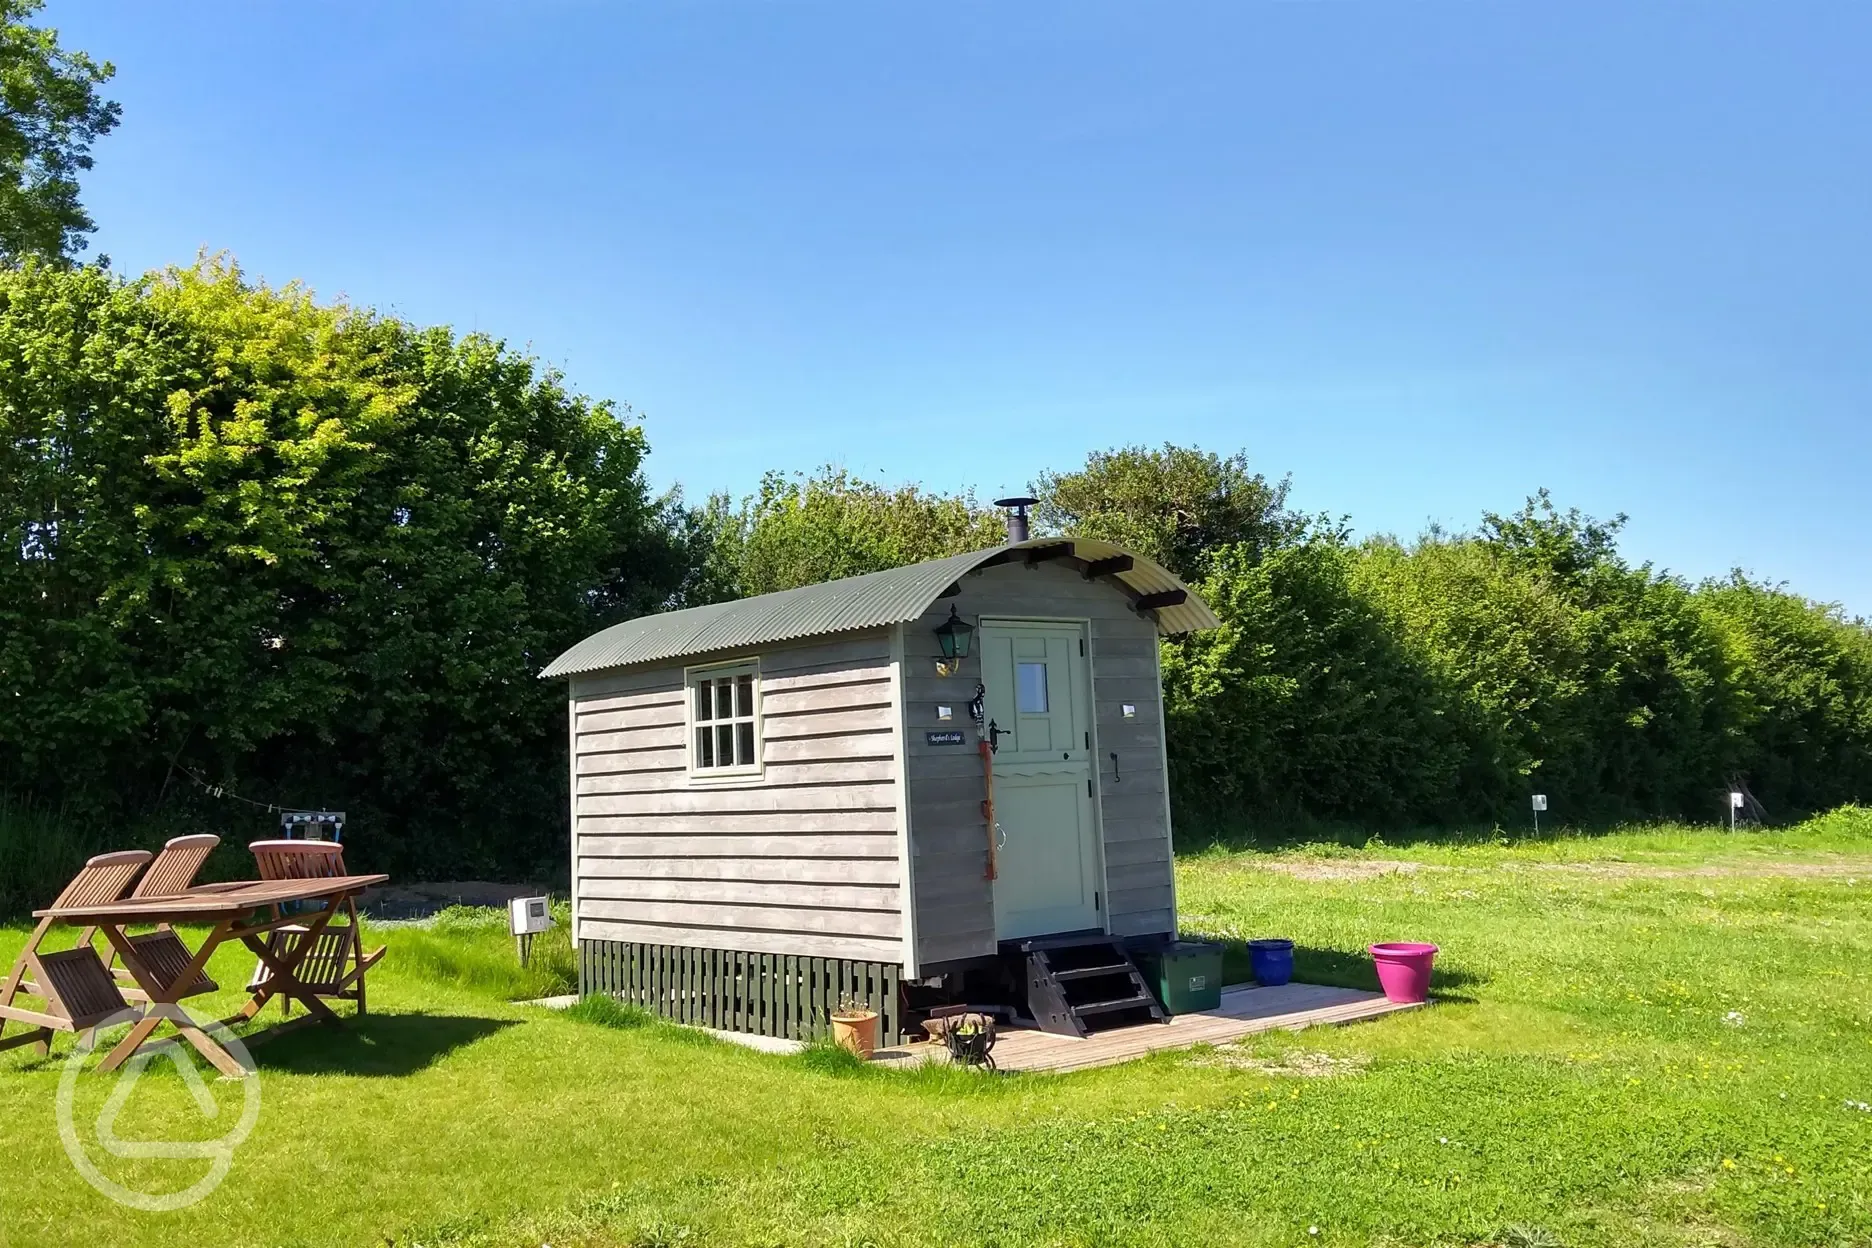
[
  {"x": 987, "y": 739},
  {"x": 986, "y": 751}
]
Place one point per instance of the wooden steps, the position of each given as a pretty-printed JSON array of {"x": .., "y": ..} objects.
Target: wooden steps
[
  {"x": 1075, "y": 984},
  {"x": 1089, "y": 972}
]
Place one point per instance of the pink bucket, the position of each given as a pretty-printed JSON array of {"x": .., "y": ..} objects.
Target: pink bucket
[{"x": 1404, "y": 969}]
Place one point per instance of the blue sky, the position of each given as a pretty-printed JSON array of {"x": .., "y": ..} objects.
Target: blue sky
[{"x": 1426, "y": 257}]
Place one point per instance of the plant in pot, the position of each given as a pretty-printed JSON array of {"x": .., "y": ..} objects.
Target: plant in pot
[
  {"x": 969, "y": 1037},
  {"x": 855, "y": 1026}
]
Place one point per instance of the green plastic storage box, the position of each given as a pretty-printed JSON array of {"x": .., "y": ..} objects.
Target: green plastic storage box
[{"x": 1187, "y": 975}]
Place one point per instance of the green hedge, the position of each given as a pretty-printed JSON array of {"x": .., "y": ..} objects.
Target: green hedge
[
  {"x": 1446, "y": 681},
  {"x": 308, "y": 554}
]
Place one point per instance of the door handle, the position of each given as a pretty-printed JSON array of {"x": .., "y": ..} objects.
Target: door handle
[
  {"x": 995, "y": 733},
  {"x": 1000, "y": 835},
  {"x": 1115, "y": 776}
]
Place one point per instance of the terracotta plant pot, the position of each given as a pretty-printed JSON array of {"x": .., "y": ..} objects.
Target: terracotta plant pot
[{"x": 856, "y": 1030}]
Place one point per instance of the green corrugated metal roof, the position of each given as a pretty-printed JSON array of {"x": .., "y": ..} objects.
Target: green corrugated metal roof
[{"x": 895, "y": 596}]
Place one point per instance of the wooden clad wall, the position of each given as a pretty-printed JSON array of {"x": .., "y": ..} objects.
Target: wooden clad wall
[
  {"x": 803, "y": 860},
  {"x": 955, "y": 910}
]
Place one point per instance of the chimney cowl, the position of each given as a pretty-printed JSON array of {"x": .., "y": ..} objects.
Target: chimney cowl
[{"x": 1017, "y": 517}]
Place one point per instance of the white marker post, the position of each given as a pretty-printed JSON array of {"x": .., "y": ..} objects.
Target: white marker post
[
  {"x": 1735, "y": 804},
  {"x": 1540, "y": 804}
]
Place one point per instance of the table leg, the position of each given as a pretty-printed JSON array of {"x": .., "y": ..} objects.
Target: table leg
[
  {"x": 140, "y": 1032},
  {"x": 164, "y": 1004},
  {"x": 283, "y": 979}
]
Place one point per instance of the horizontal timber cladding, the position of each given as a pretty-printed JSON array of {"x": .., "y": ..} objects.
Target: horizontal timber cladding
[
  {"x": 955, "y": 909},
  {"x": 766, "y": 994},
  {"x": 801, "y": 860}
]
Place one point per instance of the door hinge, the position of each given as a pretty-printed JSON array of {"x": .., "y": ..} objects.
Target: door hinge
[
  {"x": 1082, "y": 647},
  {"x": 1088, "y": 740},
  {"x": 1088, "y": 786},
  {"x": 1095, "y": 899}
]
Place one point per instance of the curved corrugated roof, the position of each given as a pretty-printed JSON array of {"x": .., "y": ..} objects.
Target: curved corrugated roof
[{"x": 896, "y": 596}]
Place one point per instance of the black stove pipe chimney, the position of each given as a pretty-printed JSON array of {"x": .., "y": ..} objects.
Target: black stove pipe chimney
[{"x": 1017, "y": 517}]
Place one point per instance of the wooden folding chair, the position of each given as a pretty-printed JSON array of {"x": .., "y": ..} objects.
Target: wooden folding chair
[
  {"x": 176, "y": 866},
  {"x": 298, "y": 860},
  {"x": 335, "y": 965},
  {"x": 75, "y": 985},
  {"x": 162, "y": 950}
]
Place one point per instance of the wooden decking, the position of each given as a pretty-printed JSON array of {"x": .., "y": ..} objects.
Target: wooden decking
[{"x": 1244, "y": 1012}]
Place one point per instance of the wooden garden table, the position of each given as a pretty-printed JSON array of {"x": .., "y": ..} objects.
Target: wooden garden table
[{"x": 244, "y": 911}]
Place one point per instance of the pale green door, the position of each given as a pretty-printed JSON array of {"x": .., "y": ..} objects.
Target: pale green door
[{"x": 1037, "y": 692}]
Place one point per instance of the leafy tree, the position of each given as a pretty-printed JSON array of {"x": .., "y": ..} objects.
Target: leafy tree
[
  {"x": 1805, "y": 672},
  {"x": 1177, "y": 504},
  {"x": 1663, "y": 700},
  {"x": 1656, "y": 679},
  {"x": 803, "y": 530},
  {"x": 1303, "y": 701},
  {"x": 311, "y": 553},
  {"x": 1473, "y": 669},
  {"x": 1505, "y": 648},
  {"x": 1568, "y": 547},
  {"x": 50, "y": 114},
  {"x": 709, "y": 541}
]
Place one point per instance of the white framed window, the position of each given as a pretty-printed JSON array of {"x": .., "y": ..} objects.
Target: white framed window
[{"x": 724, "y": 720}]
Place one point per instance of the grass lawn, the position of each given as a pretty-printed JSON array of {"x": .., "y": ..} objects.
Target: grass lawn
[{"x": 1658, "y": 1036}]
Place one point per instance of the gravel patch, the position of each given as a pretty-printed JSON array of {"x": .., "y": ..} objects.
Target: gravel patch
[
  {"x": 1302, "y": 1065},
  {"x": 1344, "y": 868},
  {"x": 1849, "y": 868},
  {"x": 422, "y": 901}
]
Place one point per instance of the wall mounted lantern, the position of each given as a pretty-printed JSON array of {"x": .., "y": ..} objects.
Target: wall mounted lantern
[{"x": 954, "y": 635}]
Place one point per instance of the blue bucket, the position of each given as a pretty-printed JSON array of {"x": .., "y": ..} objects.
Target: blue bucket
[{"x": 1271, "y": 961}]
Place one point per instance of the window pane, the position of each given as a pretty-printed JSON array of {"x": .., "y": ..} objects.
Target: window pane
[
  {"x": 1031, "y": 690},
  {"x": 704, "y": 747},
  {"x": 724, "y": 699},
  {"x": 724, "y": 744},
  {"x": 744, "y": 696},
  {"x": 745, "y": 732},
  {"x": 703, "y": 701}
]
